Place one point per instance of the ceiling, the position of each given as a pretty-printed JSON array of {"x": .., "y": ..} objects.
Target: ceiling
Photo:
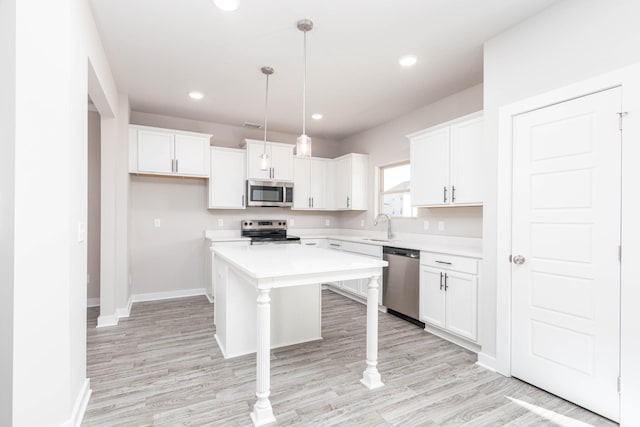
[{"x": 159, "y": 50}]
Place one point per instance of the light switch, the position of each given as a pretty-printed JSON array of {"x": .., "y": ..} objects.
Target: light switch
[
  {"x": 425, "y": 224},
  {"x": 220, "y": 222},
  {"x": 156, "y": 222},
  {"x": 441, "y": 225}
]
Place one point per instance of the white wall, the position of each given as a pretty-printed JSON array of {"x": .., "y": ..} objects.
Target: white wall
[
  {"x": 171, "y": 257},
  {"x": 388, "y": 144},
  {"x": 7, "y": 203},
  {"x": 568, "y": 42},
  {"x": 93, "y": 213}
]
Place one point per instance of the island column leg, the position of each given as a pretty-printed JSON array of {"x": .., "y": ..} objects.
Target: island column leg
[
  {"x": 262, "y": 411},
  {"x": 371, "y": 376}
]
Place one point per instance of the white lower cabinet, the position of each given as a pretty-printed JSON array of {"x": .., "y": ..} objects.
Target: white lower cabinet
[
  {"x": 357, "y": 287},
  {"x": 212, "y": 274},
  {"x": 449, "y": 293}
]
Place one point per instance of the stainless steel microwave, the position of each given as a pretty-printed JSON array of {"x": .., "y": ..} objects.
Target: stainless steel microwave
[{"x": 269, "y": 193}]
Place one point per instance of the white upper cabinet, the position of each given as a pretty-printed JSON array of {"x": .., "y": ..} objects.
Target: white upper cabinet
[
  {"x": 446, "y": 163},
  {"x": 227, "y": 179},
  {"x": 281, "y": 161},
  {"x": 309, "y": 183},
  {"x": 168, "y": 152},
  {"x": 350, "y": 186}
]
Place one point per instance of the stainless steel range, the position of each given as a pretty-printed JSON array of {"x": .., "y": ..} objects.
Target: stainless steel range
[{"x": 267, "y": 231}]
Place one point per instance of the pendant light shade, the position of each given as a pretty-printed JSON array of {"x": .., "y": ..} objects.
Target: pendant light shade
[
  {"x": 265, "y": 161},
  {"x": 303, "y": 145}
]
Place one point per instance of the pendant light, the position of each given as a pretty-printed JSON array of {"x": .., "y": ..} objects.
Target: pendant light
[
  {"x": 264, "y": 157},
  {"x": 303, "y": 145}
]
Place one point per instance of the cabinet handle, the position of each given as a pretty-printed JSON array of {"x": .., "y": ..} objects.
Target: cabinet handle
[
  {"x": 309, "y": 202},
  {"x": 445, "y": 194},
  {"x": 446, "y": 285},
  {"x": 176, "y": 165},
  {"x": 334, "y": 244},
  {"x": 243, "y": 200},
  {"x": 173, "y": 165},
  {"x": 348, "y": 202},
  {"x": 443, "y": 262},
  {"x": 453, "y": 193},
  {"x": 441, "y": 277},
  {"x": 310, "y": 244},
  {"x": 312, "y": 202}
]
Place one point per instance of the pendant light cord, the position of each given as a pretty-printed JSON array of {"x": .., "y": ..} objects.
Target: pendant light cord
[
  {"x": 304, "y": 87},
  {"x": 266, "y": 103}
]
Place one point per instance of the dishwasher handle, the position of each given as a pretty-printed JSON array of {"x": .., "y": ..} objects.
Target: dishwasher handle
[{"x": 409, "y": 253}]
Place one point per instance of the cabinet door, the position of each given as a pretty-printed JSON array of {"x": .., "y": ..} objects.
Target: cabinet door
[
  {"x": 155, "y": 152},
  {"x": 317, "y": 183},
  {"x": 432, "y": 298},
  {"x": 466, "y": 161},
  {"x": 430, "y": 168},
  {"x": 352, "y": 286},
  {"x": 301, "y": 183},
  {"x": 282, "y": 162},
  {"x": 461, "y": 307},
  {"x": 191, "y": 155},
  {"x": 342, "y": 187},
  {"x": 254, "y": 151},
  {"x": 227, "y": 180}
]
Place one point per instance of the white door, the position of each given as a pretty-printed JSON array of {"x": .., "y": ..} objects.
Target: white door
[
  {"x": 192, "y": 155},
  {"x": 430, "y": 168},
  {"x": 317, "y": 184},
  {"x": 432, "y": 296},
  {"x": 282, "y": 162},
  {"x": 227, "y": 181},
  {"x": 301, "y": 185},
  {"x": 461, "y": 304},
  {"x": 155, "y": 152},
  {"x": 566, "y": 225},
  {"x": 466, "y": 162}
]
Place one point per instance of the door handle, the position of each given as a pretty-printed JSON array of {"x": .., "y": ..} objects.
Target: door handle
[
  {"x": 519, "y": 259},
  {"x": 445, "y": 194},
  {"x": 446, "y": 285},
  {"x": 441, "y": 276},
  {"x": 453, "y": 193}
]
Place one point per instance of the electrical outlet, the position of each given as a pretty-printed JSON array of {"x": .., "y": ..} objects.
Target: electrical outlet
[
  {"x": 292, "y": 222},
  {"x": 425, "y": 224},
  {"x": 156, "y": 223},
  {"x": 362, "y": 223},
  {"x": 441, "y": 225},
  {"x": 220, "y": 222},
  {"x": 327, "y": 222}
]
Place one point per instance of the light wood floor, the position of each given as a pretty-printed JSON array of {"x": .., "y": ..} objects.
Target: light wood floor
[{"x": 162, "y": 366}]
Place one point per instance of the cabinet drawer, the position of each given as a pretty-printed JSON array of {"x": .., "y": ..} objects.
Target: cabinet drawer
[{"x": 449, "y": 262}]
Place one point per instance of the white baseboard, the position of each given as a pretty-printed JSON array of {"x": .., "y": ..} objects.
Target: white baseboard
[
  {"x": 125, "y": 311},
  {"x": 154, "y": 296},
  {"x": 80, "y": 406},
  {"x": 93, "y": 302},
  {"x": 452, "y": 338},
  {"x": 488, "y": 362},
  {"x": 209, "y": 297},
  {"x": 107, "y": 320}
]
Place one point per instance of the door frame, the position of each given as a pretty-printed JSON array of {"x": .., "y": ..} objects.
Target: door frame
[{"x": 628, "y": 79}]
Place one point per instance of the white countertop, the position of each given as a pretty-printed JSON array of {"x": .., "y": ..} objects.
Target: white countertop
[
  {"x": 461, "y": 246},
  {"x": 269, "y": 261}
]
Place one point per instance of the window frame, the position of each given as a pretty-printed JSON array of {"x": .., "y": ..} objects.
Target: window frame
[{"x": 380, "y": 193}]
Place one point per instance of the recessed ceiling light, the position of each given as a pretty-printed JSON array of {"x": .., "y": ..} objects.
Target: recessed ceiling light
[
  {"x": 408, "y": 60},
  {"x": 226, "y": 5},
  {"x": 316, "y": 116},
  {"x": 196, "y": 95}
]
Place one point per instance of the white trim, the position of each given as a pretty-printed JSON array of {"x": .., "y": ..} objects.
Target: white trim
[
  {"x": 155, "y": 296},
  {"x": 487, "y": 362},
  {"x": 462, "y": 342},
  {"x": 93, "y": 302},
  {"x": 125, "y": 311},
  {"x": 629, "y": 349},
  {"x": 209, "y": 297},
  {"x": 80, "y": 406},
  {"x": 107, "y": 320}
]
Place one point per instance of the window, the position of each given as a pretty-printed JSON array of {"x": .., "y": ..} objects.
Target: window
[{"x": 395, "y": 194}]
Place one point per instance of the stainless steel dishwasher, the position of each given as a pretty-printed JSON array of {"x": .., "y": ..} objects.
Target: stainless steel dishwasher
[{"x": 401, "y": 280}]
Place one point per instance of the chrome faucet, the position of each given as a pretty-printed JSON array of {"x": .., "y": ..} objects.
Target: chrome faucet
[{"x": 389, "y": 233}]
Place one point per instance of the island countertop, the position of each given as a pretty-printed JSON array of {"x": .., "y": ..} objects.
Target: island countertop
[{"x": 290, "y": 260}]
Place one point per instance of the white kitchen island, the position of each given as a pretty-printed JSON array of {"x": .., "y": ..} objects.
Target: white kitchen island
[{"x": 266, "y": 269}]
